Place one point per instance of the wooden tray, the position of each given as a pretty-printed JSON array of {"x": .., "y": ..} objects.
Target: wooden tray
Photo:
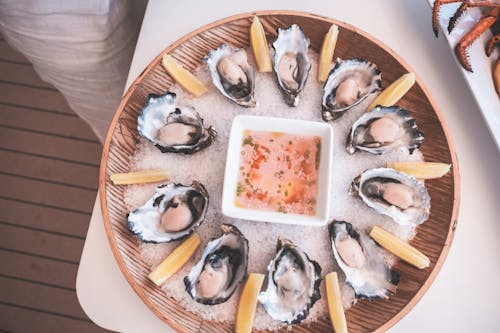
[{"x": 434, "y": 236}]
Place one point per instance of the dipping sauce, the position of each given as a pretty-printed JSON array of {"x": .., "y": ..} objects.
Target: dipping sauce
[{"x": 279, "y": 172}]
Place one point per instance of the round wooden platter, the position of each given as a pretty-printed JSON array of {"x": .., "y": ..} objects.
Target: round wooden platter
[{"x": 433, "y": 237}]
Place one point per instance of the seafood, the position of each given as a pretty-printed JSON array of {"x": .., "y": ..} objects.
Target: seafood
[
  {"x": 395, "y": 194},
  {"x": 384, "y": 129},
  {"x": 362, "y": 262},
  {"x": 485, "y": 22},
  {"x": 171, "y": 128},
  {"x": 293, "y": 284},
  {"x": 349, "y": 83},
  {"x": 291, "y": 64},
  {"x": 232, "y": 75},
  {"x": 221, "y": 269},
  {"x": 174, "y": 212}
]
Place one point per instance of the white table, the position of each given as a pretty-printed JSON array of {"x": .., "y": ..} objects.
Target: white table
[{"x": 464, "y": 296}]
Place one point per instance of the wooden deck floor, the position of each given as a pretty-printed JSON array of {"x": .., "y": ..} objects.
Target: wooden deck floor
[{"x": 49, "y": 162}]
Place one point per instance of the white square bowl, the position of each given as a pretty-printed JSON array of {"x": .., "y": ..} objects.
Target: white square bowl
[{"x": 288, "y": 126}]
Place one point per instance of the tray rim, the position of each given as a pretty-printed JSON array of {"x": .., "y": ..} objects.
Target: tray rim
[{"x": 103, "y": 166}]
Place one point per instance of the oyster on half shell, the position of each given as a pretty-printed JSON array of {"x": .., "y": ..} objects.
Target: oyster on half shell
[
  {"x": 362, "y": 261},
  {"x": 290, "y": 63},
  {"x": 221, "y": 269},
  {"x": 349, "y": 83},
  {"x": 396, "y": 194},
  {"x": 292, "y": 284},
  {"x": 384, "y": 129},
  {"x": 173, "y": 212},
  {"x": 232, "y": 75},
  {"x": 172, "y": 128}
]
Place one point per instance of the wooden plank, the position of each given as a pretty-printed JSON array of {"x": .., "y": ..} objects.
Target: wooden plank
[
  {"x": 38, "y": 269},
  {"x": 52, "y": 123},
  {"x": 47, "y": 193},
  {"x": 47, "y": 169},
  {"x": 52, "y": 146},
  {"x": 8, "y": 53},
  {"x": 40, "y": 297},
  {"x": 22, "y": 74},
  {"x": 24, "y": 320},
  {"x": 41, "y": 243},
  {"x": 44, "y": 218},
  {"x": 38, "y": 98}
]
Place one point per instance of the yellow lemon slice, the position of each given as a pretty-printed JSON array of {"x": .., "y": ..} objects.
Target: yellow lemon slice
[
  {"x": 334, "y": 299},
  {"x": 421, "y": 170},
  {"x": 259, "y": 46},
  {"x": 248, "y": 302},
  {"x": 393, "y": 93},
  {"x": 399, "y": 248},
  {"x": 175, "y": 260},
  {"x": 187, "y": 80},
  {"x": 326, "y": 54},
  {"x": 139, "y": 177}
]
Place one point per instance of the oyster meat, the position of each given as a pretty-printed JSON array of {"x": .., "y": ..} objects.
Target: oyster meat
[
  {"x": 291, "y": 64},
  {"x": 292, "y": 284},
  {"x": 232, "y": 75},
  {"x": 171, "y": 128},
  {"x": 349, "y": 83},
  {"x": 362, "y": 261},
  {"x": 221, "y": 269},
  {"x": 395, "y": 194},
  {"x": 173, "y": 212},
  {"x": 384, "y": 129}
]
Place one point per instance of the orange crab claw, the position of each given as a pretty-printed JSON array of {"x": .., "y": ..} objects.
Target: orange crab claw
[
  {"x": 435, "y": 13},
  {"x": 484, "y": 23},
  {"x": 453, "y": 21},
  {"x": 491, "y": 44}
]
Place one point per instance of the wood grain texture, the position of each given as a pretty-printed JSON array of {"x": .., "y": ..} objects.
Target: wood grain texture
[
  {"x": 27, "y": 320},
  {"x": 51, "y": 219},
  {"x": 63, "y": 125},
  {"x": 434, "y": 236},
  {"x": 49, "y": 145}
]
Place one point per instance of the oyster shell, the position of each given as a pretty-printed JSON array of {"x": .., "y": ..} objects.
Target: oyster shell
[
  {"x": 362, "y": 262},
  {"x": 395, "y": 194},
  {"x": 384, "y": 129},
  {"x": 232, "y": 74},
  {"x": 349, "y": 83},
  {"x": 292, "y": 284},
  {"x": 173, "y": 212},
  {"x": 171, "y": 128},
  {"x": 291, "y": 64},
  {"x": 221, "y": 269}
]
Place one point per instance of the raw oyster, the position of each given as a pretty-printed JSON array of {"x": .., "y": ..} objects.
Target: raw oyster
[
  {"x": 362, "y": 262},
  {"x": 171, "y": 128},
  {"x": 221, "y": 269},
  {"x": 291, "y": 64},
  {"x": 384, "y": 129},
  {"x": 232, "y": 74},
  {"x": 173, "y": 212},
  {"x": 395, "y": 194},
  {"x": 292, "y": 284},
  {"x": 349, "y": 83}
]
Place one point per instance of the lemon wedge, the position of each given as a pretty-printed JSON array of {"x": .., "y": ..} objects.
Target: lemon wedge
[
  {"x": 187, "y": 80},
  {"x": 175, "y": 260},
  {"x": 248, "y": 302},
  {"x": 259, "y": 46},
  {"x": 326, "y": 54},
  {"x": 334, "y": 299},
  {"x": 399, "y": 248},
  {"x": 139, "y": 177},
  {"x": 421, "y": 170},
  {"x": 393, "y": 93}
]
